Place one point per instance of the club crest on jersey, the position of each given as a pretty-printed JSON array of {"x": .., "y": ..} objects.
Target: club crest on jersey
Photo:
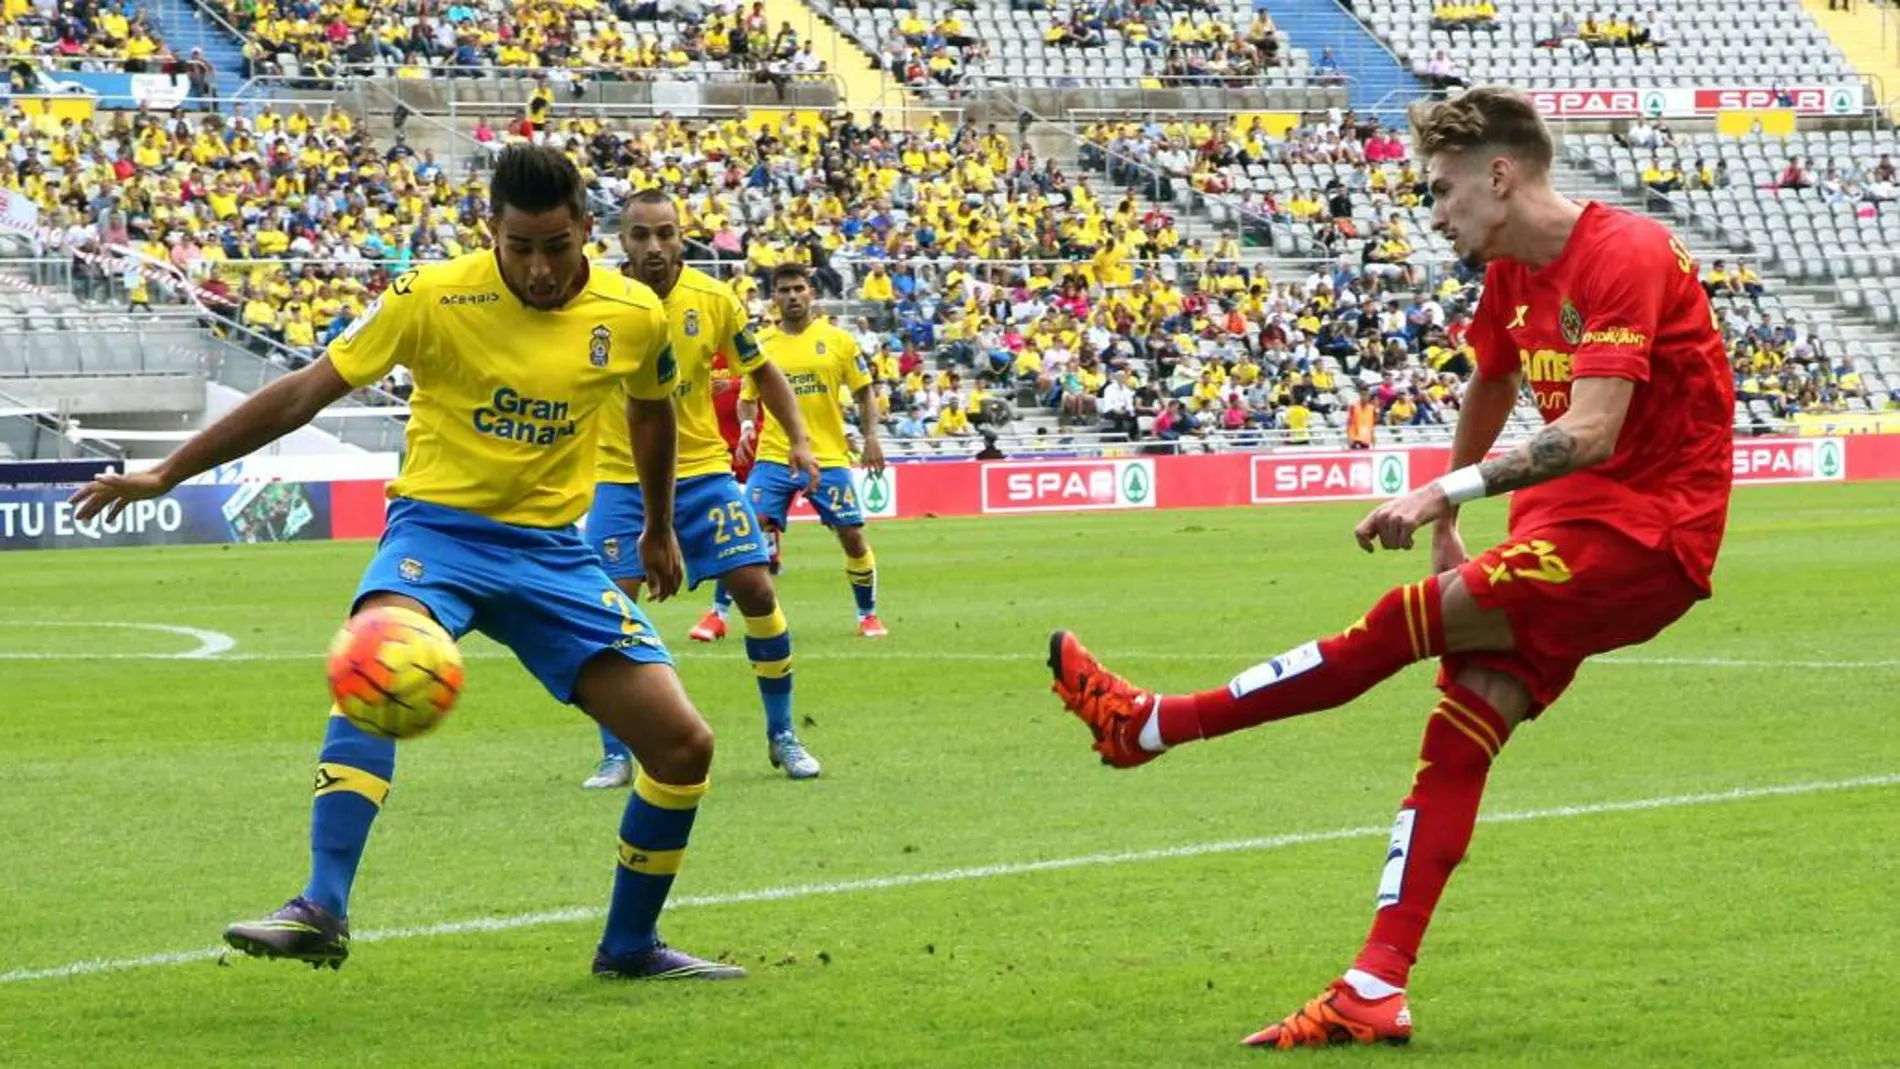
[
  {"x": 692, "y": 323},
  {"x": 819, "y": 348},
  {"x": 598, "y": 348},
  {"x": 1570, "y": 321},
  {"x": 610, "y": 548},
  {"x": 410, "y": 569}
]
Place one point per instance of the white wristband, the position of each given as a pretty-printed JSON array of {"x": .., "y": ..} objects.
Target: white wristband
[
  {"x": 1465, "y": 484},
  {"x": 745, "y": 428}
]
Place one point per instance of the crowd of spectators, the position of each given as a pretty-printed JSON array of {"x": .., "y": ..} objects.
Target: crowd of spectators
[
  {"x": 979, "y": 273},
  {"x": 1583, "y": 39},
  {"x": 43, "y": 41},
  {"x": 575, "y": 41}
]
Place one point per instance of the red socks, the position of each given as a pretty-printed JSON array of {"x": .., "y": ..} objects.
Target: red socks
[
  {"x": 1433, "y": 828},
  {"x": 1403, "y": 628}
]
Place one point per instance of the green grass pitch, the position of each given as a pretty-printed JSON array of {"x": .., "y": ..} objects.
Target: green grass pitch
[{"x": 891, "y": 912}]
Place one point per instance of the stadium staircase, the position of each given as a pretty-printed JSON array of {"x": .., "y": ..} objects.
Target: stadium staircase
[
  {"x": 1869, "y": 36},
  {"x": 186, "y": 26},
  {"x": 1379, "y": 81},
  {"x": 864, "y": 84}
]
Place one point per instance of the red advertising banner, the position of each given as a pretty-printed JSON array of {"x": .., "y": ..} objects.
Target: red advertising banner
[
  {"x": 969, "y": 488},
  {"x": 1068, "y": 485},
  {"x": 1675, "y": 102},
  {"x": 1357, "y": 476}
]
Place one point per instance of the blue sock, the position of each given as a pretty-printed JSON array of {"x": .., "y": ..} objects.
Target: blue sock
[
  {"x": 353, "y": 774},
  {"x": 768, "y": 645},
  {"x": 611, "y": 746},
  {"x": 722, "y": 599},
  {"x": 862, "y": 571},
  {"x": 653, "y": 834}
]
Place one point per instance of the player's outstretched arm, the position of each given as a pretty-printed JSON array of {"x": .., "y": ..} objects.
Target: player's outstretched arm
[
  {"x": 1585, "y": 437},
  {"x": 265, "y": 416},
  {"x": 654, "y": 428},
  {"x": 866, "y": 398},
  {"x": 775, "y": 393},
  {"x": 1487, "y": 405}
]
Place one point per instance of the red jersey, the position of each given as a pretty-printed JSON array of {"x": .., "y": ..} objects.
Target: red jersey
[
  {"x": 1622, "y": 301},
  {"x": 725, "y": 399}
]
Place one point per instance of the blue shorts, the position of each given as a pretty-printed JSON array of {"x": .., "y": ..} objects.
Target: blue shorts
[
  {"x": 539, "y": 591},
  {"x": 773, "y": 485},
  {"x": 717, "y": 531}
]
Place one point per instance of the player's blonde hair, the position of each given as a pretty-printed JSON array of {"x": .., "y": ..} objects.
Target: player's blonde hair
[{"x": 1490, "y": 119}]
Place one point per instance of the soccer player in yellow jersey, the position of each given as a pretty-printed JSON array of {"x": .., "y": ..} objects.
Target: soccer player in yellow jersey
[
  {"x": 819, "y": 359},
  {"x": 719, "y": 535},
  {"x": 518, "y": 354}
]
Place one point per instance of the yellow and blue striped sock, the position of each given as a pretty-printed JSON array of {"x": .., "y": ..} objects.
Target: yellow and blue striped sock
[
  {"x": 768, "y": 644},
  {"x": 862, "y": 571},
  {"x": 653, "y": 833},
  {"x": 354, "y": 770}
]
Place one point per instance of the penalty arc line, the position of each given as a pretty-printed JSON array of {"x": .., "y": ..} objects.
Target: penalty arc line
[{"x": 980, "y": 872}]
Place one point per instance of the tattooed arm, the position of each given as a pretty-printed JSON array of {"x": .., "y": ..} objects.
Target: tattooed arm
[{"x": 1583, "y": 438}]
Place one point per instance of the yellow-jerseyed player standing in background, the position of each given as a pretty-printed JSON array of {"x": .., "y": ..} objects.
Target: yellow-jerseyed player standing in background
[
  {"x": 719, "y": 535},
  {"x": 518, "y": 355},
  {"x": 819, "y": 359}
]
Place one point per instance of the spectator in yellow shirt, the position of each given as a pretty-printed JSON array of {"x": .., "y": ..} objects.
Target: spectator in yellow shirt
[{"x": 952, "y": 422}]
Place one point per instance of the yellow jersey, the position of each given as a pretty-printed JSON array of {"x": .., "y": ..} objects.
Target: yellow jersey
[
  {"x": 504, "y": 421},
  {"x": 704, "y": 318},
  {"x": 818, "y": 361}
]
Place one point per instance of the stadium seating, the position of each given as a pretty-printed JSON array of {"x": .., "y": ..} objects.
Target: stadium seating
[
  {"x": 1705, "y": 42},
  {"x": 571, "y": 39},
  {"x": 1018, "y": 44},
  {"x": 1839, "y": 232}
]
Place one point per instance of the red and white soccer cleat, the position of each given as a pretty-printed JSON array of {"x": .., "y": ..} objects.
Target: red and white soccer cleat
[
  {"x": 710, "y": 628},
  {"x": 1113, "y": 708},
  {"x": 871, "y": 627},
  {"x": 1339, "y": 1015}
]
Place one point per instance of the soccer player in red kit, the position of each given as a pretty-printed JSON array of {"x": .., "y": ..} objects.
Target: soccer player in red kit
[
  {"x": 725, "y": 398},
  {"x": 1619, "y": 506}
]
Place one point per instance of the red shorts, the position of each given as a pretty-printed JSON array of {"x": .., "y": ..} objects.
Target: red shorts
[{"x": 1571, "y": 591}]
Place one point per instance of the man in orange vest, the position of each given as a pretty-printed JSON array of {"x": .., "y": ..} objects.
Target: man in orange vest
[{"x": 1361, "y": 417}]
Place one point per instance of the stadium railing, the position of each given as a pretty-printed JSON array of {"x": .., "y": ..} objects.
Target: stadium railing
[{"x": 35, "y": 432}]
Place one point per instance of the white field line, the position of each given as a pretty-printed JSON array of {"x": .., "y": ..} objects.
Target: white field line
[
  {"x": 978, "y": 872},
  {"x": 216, "y": 646}
]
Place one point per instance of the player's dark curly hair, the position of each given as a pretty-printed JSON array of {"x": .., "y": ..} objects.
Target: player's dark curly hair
[
  {"x": 536, "y": 179},
  {"x": 1492, "y": 118},
  {"x": 790, "y": 273}
]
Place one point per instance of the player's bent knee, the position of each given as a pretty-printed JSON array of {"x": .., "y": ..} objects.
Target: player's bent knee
[
  {"x": 852, "y": 539},
  {"x": 1469, "y": 626},
  {"x": 1503, "y": 691},
  {"x": 751, "y": 588},
  {"x": 645, "y": 706}
]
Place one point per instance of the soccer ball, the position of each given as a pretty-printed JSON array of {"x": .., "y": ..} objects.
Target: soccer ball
[{"x": 394, "y": 672}]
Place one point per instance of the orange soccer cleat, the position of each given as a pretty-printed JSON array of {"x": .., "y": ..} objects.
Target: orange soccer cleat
[
  {"x": 710, "y": 628},
  {"x": 1340, "y": 1015},
  {"x": 1113, "y": 708},
  {"x": 871, "y": 627}
]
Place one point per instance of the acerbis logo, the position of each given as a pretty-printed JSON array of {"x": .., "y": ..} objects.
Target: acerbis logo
[{"x": 453, "y": 299}]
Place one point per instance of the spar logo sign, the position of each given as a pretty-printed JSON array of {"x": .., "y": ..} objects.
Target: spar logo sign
[
  {"x": 1801, "y": 460},
  {"x": 877, "y": 494},
  {"x": 1069, "y": 485},
  {"x": 1359, "y": 476}
]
